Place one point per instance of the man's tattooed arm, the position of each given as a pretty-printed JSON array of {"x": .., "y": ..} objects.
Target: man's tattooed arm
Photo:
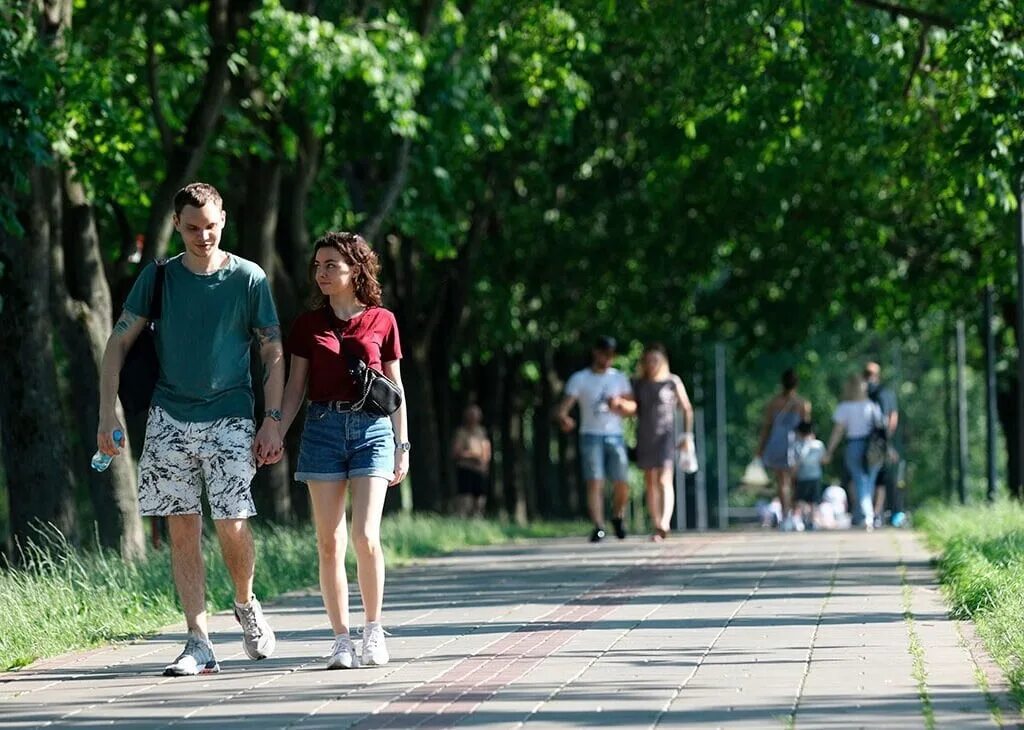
[
  {"x": 272, "y": 355},
  {"x": 266, "y": 335},
  {"x": 125, "y": 322}
]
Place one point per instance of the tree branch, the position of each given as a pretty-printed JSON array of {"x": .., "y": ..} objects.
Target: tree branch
[
  {"x": 427, "y": 15},
  {"x": 152, "y": 80},
  {"x": 922, "y": 50},
  {"x": 940, "y": 21},
  {"x": 395, "y": 187}
]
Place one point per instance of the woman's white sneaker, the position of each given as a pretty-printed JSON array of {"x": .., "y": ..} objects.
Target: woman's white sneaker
[
  {"x": 375, "y": 652},
  {"x": 343, "y": 653}
]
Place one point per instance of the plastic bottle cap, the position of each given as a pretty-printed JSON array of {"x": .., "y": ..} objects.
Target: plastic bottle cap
[{"x": 118, "y": 437}]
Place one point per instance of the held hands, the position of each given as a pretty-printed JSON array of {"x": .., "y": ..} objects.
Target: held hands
[
  {"x": 105, "y": 436},
  {"x": 268, "y": 448}
]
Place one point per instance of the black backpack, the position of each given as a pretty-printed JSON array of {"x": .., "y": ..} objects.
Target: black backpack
[
  {"x": 877, "y": 451},
  {"x": 141, "y": 367}
]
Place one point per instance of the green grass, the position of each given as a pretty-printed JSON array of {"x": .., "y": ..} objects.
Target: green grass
[
  {"x": 65, "y": 599},
  {"x": 981, "y": 567}
]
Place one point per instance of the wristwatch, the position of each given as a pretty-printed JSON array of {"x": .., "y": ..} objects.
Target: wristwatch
[
  {"x": 273, "y": 414},
  {"x": 403, "y": 446}
]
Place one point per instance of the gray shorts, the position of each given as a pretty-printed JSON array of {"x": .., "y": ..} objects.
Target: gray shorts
[{"x": 180, "y": 457}]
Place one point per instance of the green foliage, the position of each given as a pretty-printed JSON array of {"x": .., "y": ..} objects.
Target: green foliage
[
  {"x": 25, "y": 101},
  {"x": 981, "y": 564},
  {"x": 65, "y": 598}
]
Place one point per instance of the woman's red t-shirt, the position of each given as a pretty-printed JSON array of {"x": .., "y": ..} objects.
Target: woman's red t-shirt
[{"x": 371, "y": 336}]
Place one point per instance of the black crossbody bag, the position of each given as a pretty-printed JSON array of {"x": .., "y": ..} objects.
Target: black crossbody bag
[
  {"x": 141, "y": 368},
  {"x": 379, "y": 395}
]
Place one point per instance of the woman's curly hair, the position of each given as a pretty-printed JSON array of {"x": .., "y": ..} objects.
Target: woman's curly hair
[{"x": 357, "y": 253}]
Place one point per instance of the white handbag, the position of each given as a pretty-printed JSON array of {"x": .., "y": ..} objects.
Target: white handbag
[
  {"x": 755, "y": 474},
  {"x": 688, "y": 456}
]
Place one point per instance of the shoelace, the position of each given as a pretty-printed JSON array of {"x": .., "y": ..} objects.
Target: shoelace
[
  {"x": 249, "y": 622},
  {"x": 195, "y": 648},
  {"x": 373, "y": 638},
  {"x": 343, "y": 643}
]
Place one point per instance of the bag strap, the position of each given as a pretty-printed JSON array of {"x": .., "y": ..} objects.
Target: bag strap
[
  {"x": 352, "y": 361},
  {"x": 156, "y": 303}
]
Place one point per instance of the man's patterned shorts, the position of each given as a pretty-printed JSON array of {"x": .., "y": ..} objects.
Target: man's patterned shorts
[{"x": 179, "y": 457}]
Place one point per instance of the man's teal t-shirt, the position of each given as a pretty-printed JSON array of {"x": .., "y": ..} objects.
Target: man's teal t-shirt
[{"x": 204, "y": 336}]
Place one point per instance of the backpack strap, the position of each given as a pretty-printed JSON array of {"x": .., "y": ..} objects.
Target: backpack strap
[{"x": 156, "y": 303}]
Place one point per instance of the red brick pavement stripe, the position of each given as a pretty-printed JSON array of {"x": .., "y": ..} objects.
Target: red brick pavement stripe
[{"x": 456, "y": 693}]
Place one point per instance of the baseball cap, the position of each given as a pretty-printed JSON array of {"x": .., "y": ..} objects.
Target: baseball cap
[{"x": 604, "y": 342}]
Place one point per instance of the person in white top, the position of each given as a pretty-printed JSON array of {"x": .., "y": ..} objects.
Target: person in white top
[
  {"x": 808, "y": 453},
  {"x": 603, "y": 395},
  {"x": 855, "y": 418}
]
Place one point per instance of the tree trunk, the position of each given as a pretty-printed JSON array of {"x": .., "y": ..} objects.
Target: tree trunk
[
  {"x": 257, "y": 229},
  {"x": 513, "y": 453},
  {"x": 548, "y": 496},
  {"x": 293, "y": 228},
  {"x": 291, "y": 291},
  {"x": 425, "y": 457},
  {"x": 491, "y": 401},
  {"x": 224, "y": 19},
  {"x": 80, "y": 304},
  {"x": 1006, "y": 402},
  {"x": 35, "y": 446},
  {"x": 572, "y": 484},
  {"x": 442, "y": 392}
]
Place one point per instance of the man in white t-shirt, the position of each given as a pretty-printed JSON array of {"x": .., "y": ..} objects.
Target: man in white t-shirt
[{"x": 599, "y": 391}]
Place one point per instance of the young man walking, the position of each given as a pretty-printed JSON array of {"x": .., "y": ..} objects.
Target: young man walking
[
  {"x": 604, "y": 395},
  {"x": 200, "y": 429}
]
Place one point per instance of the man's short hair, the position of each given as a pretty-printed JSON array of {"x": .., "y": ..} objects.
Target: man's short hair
[
  {"x": 197, "y": 195},
  {"x": 805, "y": 428}
]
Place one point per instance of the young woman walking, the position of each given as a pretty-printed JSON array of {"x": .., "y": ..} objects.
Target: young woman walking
[
  {"x": 784, "y": 412},
  {"x": 659, "y": 394},
  {"x": 345, "y": 450}
]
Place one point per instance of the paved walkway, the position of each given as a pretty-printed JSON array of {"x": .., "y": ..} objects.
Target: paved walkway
[{"x": 758, "y": 630}]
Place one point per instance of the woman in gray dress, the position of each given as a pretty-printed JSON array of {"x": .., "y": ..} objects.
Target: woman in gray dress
[
  {"x": 659, "y": 394},
  {"x": 782, "y": 415}
]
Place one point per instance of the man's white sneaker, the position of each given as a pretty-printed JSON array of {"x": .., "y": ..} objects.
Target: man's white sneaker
[
  {"x": 343, "y": 653},
  {"x": 197, "y": 658},
  {"x": 258, "y": 638},
  {"x": 375, "y": 652}
]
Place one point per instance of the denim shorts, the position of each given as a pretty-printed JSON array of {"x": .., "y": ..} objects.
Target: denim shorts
[
  {"x": 338, "y": 446},
  {"x": 603, "y": 457}
]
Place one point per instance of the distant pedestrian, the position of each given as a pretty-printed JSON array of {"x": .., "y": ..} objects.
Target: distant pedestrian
[
  {"x": 855, "y": 418},
  {"x": 783, "y": 413},
  {"x": 602, "y": 393},
  {"x": 659, "y": 395},
  {"x": 344, "y": 447},
  {"x": 889, "y": 492},
  {"x": 471, "y": 450},
  {"x": 809, "y": 451}
]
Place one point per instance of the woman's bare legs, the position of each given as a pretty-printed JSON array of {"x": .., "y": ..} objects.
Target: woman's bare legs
[
  {"x": 328, "y": 502},
  {"x": 368, "y": 495}
]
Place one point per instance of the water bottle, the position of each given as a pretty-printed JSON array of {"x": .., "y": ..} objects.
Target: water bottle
[{"x": 101, "y": 461}]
